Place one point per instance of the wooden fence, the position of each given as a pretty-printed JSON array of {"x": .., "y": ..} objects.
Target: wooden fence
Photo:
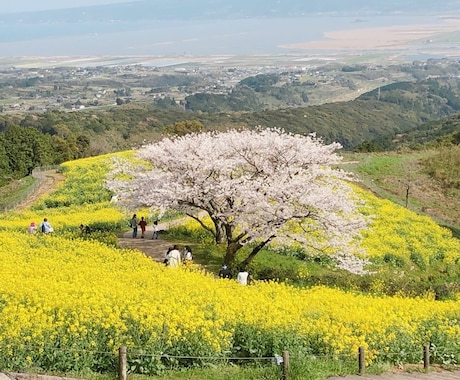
[{"x": 282, "y": 361}]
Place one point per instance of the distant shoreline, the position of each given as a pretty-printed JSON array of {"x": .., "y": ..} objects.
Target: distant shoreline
[
  {"x": 373, "y": 40},
  {"x": 384, "y": 38}
]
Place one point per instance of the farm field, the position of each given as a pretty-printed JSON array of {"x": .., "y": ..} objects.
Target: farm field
[{"x": 76, "y": 298}]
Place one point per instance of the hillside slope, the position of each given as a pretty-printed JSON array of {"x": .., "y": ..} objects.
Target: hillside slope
[{"x": 403, "y": 179}]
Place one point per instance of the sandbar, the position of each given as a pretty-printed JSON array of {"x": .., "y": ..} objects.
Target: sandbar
[{"x": 385, "y": 38}]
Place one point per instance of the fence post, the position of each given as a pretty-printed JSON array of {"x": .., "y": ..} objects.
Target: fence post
[
  {"x": 285, "y": 365},
  {"x": 361, "y": 361},
  {"x": 426, "y": 357},
  {"x": 122, "y": 375}
]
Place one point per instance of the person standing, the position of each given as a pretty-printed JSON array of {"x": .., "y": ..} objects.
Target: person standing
[
  {"x": 45, "y": 226},
  {"x": 155, "y": 230},
  {"x": 174, "y": 259},
  {"x": 134, "y": 225},
  {"x": 143, "y": 225}
]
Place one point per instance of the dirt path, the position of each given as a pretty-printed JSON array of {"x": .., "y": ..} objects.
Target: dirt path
[
  {"x": 435, "y": 374},
  {"x": 154, "y": 248},
  {"x": 49, "y": 181}
]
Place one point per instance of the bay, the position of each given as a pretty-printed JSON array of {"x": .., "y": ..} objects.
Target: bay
[{"x": 250, "y": 36}]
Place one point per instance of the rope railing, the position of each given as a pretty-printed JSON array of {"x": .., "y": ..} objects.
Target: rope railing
[
  {"x": 135, "y": 351},
  {"x": 282, "y": 361},
  {"x": 128, "y": 355},
  {"x": 216, "y": 358}
]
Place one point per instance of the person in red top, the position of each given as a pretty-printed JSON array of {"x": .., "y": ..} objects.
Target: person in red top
[{"x": 143, "y": 225}]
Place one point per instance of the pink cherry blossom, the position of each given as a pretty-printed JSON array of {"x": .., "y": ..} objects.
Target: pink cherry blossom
[{"x": 257, "y": 186}]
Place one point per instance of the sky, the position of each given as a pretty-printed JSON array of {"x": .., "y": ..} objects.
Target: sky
[{"x": 40, "y": 5}]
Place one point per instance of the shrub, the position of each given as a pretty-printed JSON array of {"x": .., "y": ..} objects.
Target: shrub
[
  {"x": 418, "y": 260},
  {"x": 395, "y": 260}
]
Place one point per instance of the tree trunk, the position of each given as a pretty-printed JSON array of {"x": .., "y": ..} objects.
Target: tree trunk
[
  {"x": 221, "y": 236},
  {"x": 232, "y": 249}
]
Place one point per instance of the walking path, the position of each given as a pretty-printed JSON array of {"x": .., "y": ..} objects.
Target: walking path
[
  {"x": 434, "y": 375},
  {"x": 154, "y": 248},
  {"x": 438, "y": 375}
]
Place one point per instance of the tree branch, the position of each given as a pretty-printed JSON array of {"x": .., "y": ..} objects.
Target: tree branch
[
  {"x": 202, "y": 224},
  {"x": 256, "y": 250}
]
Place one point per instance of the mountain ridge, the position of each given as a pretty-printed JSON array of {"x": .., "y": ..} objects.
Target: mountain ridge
[{"x": 215, "y": 9}]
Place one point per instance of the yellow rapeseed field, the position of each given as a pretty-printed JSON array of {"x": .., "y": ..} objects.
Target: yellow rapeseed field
[{"x": 67, "y": 303}]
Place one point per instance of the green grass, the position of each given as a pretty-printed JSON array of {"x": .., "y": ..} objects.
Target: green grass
[
  {"x": 389, "y": 174},
  {"x": 380, "y": 166},
  {"x": 16, "y": 191}
]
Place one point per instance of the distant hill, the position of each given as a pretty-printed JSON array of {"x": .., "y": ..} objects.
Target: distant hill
[
  {"x": 434, "y": 133},
  {"x": 225, "y": 9},
  {"x": 381, "y": 117},
  {"x": 406, "y": 114},
  {"x": 423, "y": 114},
  {"x": 376, "y": 116}
]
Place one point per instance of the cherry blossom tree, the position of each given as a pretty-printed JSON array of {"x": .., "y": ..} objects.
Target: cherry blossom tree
[{"x": 256, "y": 186}]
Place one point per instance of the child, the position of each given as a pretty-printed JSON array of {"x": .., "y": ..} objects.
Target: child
[
  {"x": 155, "y": 230},
  {"x": 32, "y": 228}
]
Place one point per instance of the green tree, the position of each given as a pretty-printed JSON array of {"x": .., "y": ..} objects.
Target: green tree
[
  {"x": 83, "y": 144},
  {"x": 4, "y": 167},
  {"x": 27, "y": 149},
  {"x": 184, "y": 127},
  {"x": 261, "y": 82}
]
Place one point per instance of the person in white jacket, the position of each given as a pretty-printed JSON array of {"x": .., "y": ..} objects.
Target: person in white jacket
[{"x": 174, "y": 257}]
